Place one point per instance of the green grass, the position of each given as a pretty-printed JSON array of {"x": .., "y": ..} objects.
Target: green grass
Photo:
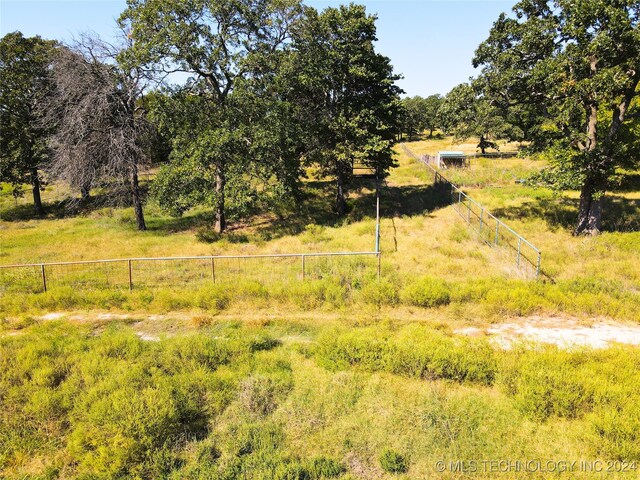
[
  {"x": 289, "y": 399},
  {"x": 262, "y": 375}
]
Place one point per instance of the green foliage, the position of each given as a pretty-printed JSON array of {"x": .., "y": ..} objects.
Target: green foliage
[
  {"x": 116, "y": 405},
  {"x": 23, "y": 67},
  {"x": 466, "y": 113},
  {"x": 350, "y": 108},
  {"x": 383, "y": 292},
  {"x": 552, "y": 382},
  {"x": 567, "y": 66},
  {"x": 426, "y": 292},
  {"x": 420, "y": 114},
  {"x": 232, "y": 142},
  {"x": 393, "y": 462},
  {"x": 413, "y": 352}
]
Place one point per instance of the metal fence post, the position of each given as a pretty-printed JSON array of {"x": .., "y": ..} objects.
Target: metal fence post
[
  {"x": 379, "y": 257},
  {"x": 44, "y": 278},
  {"x": 469, "y": 211},
  {"x": 213, "y": 270},
  {"x": 495, "y": 241},
  {"x": 519, "y": 246},
  {"x": 130, "y": 276},
  {"x": 538, "y": 264},
  {"x": 481, "y": 215},
  {"x": 303, "y": 272}
]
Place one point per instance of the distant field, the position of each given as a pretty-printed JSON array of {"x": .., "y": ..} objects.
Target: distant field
[{"x": 349, "y": 378}]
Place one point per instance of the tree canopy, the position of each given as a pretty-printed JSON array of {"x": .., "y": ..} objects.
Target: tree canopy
[
  {"x": 227, "y": 48},
  {"x": 574, "y": 67},
  {"x": 24, "y": 64},
  {"x": 349, "y": 102}
]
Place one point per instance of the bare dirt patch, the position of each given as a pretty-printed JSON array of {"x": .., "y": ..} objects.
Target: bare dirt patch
[{"x": 563, "y": 332}]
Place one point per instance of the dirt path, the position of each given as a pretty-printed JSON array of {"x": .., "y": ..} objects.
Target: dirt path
[{"x": 564, "y": 332}]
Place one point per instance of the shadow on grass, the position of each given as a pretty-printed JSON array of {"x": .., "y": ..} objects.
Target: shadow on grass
[
  {"x": 316, "y": 206},
  {"x": 65, "y": 208},
  {"x": 619, "y": 214}
]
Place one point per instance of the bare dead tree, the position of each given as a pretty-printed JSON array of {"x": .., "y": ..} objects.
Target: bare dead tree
[{"x": 101, "y": 134}]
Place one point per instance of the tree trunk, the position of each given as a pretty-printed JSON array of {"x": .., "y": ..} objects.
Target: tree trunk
[
  {"x": 430, "y": 132},
  {"x": 35, "y": 184},
  {"x": 482, "y": 144},
  {"x": 589, "y": 211},
  {"x": 137, "y": 200},
  {"x": 221, "y": 222},
  {"x": 341, "y": 204},
  {"x": 85, "y": 193}
]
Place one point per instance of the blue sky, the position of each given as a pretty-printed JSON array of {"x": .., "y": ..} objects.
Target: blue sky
[{"x": 430, "y": 43}]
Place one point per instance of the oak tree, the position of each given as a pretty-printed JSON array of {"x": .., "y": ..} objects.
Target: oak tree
[
  {"x": 24, "y": 67},
  {"x": 575, "y": 65}
]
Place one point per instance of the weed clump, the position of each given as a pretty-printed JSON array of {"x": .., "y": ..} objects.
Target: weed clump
[
  {"x": 414, "y": 351},
  {"x": 427, "y": 292},
  {"x": 393, "y": 462}
]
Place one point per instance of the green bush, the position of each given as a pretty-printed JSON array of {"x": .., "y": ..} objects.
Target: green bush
[
  {"x": 616, "y": 431},
  {"x": 426, "y": 292},
  {"x": 393, "y": 462},
  {"x": 413, "y": 351},
  {"x": 212, "y": 298},
  {"x": 552, "y": 382},
  {"x": 260, "y": 395},
  {"x": 322, "y": 467},
  {"x": 382, "y": 292}
]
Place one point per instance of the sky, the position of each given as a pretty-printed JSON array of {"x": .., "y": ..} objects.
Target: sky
[{"x": 430, "y": 42}]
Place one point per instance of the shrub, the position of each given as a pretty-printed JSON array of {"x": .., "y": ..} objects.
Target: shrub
[
  {"x": 413, "y": 351},
  {"x": 212, "y": 298},
  {"x": 263, "y": 342},
  {"x": 616, "y": 431},
  {"x": 393, "y": 462},
  {"x": 259, "y": 394},
  {"x": 379, "y": 293},
  {"x": 426, "y": 292},
  {"x": 322, "y": 467}
]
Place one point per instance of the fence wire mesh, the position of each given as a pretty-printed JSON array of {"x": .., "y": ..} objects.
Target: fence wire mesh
[
  {"x": 491, "y": 230},
  {"x": 346, "y": 268}
]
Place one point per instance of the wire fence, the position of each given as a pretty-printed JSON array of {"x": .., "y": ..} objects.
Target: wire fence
[
  {"x": 130, "y": 273},
  {"x": 494, "y": 155},
  {"x": 490, "y": 229}
]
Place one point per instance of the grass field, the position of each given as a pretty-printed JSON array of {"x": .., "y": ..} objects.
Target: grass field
[{"x": 345, "y": 377}]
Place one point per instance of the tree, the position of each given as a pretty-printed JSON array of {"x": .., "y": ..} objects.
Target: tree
[
  {"x": 576, "y": 65},
  {"x": 24, "y": 64},
  {"x": 431, "y": 113},
  {"x": 224, "y": 46},
  {"x": 349, "y": 102},
  {"x": 100, "y": 133},
  {"x": 465, "y": 112}
]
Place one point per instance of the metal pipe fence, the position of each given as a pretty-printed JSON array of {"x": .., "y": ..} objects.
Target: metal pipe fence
[
  {"x": 490, "y": 229},
  {"x": 131, "y": 273}
]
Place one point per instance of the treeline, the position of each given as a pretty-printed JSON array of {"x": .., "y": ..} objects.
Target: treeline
[
  {"x": 271, "y": 88},
  {"x": 562, "y": 76}
]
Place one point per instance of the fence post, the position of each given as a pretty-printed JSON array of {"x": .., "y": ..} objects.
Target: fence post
[
  {"x": 213, "y": 270},
  {"x": 538, "y": 264},
  {"x": 495, "y": 242},
  {"x": 303, "y": 272},
  {"x": 44, "y": 277},
  {"x": 469, "y": 211},
  {"x": 518, "y": 258},
  {"x": 130, "y": 276},
  {"x": 379, "y": 257},
  {"x": 481, "y": 215}
]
